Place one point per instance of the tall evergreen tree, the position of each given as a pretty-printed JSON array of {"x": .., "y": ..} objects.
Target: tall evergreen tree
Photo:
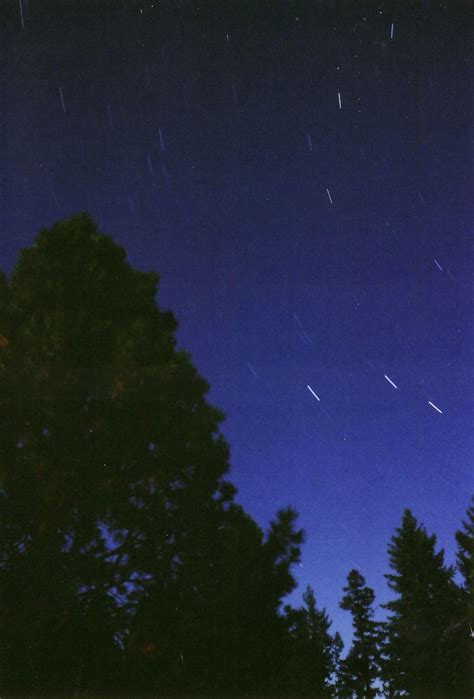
[
  {"x": 360, "y": 669},
  {"x": 313, "y": 652},
  {"x": 464, "y": 629},
  {"x": 122, "y": 552},
  {"x": 465, "y": 552},
  {"x": 421, "y": 655}
]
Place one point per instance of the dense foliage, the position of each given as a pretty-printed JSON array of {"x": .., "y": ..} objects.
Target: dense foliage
[
  {"x": 361, "y": 668},
  {"x": 424, "y": 636},
  {"x": 126, "y": 564}
]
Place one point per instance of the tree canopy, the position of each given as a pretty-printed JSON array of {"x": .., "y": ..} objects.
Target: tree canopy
[
  {"x": 313, "y": 652},
  {"x": 422, "y": 647},
  {"x": 361, "y": 667},
  {"x": 115, "y": 509}
]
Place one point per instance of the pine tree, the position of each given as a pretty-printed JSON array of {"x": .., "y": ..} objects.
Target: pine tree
[
  {"x": 124, "y": 560},
  {"x": 465, "y": 552},
  {"x": 313, "y": 653},
  {"x": 360, "y": 668},
  {"x": 420, "y": 657},
  {"x": 463, "y": 631}
]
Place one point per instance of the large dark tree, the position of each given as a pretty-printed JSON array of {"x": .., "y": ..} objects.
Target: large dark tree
[
  {"x": 465, "y": 552},
  {"x": 421, "y": 651},
  {"x": 312, "y": 652},
  {"x": 122, "y": 552},
  {"x": 465, "y": 627},
  {"x": 217, "y": 627},
  {"x": 360, "y": 668}
]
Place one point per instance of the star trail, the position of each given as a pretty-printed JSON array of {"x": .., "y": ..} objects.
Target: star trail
[{"x": 300, "y": 176}]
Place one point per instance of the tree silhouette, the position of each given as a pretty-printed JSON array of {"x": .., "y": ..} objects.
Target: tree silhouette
[
  {"x": 421, "y": 653},
  {"x": 360, "y": 668},
  {"x": 465, "y": 552},
  {"x": 124, "y": 560},
  {"x": 312, "y": 653},
  {"x": 463, "y": 631},
  {"x": 217, "y": 627}
]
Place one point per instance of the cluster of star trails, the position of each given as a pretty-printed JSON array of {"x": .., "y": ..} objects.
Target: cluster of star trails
[
  {"x": 392, "y": 383},
  {"x": 151, "y": 164},
  {"x": 395, "y": 386}
]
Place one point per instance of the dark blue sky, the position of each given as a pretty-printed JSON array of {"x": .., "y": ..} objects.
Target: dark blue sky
[{"x": 300, "y": 175}]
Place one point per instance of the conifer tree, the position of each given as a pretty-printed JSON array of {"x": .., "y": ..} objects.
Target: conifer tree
[
  {"x": 420, "y": 655},
  {"x": 123, "y": 555},
  {"x": 463, "y": 631},
  {"x": 465, "y": 552},
  {"x": 360, "y": 668},
  {"x": 313, "y": 652}
]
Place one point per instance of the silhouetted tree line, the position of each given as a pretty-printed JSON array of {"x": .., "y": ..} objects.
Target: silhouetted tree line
[{"x": 126, "y": 566}]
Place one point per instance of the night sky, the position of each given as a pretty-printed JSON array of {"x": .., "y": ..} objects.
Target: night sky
[{"x": 300, "y": 175}]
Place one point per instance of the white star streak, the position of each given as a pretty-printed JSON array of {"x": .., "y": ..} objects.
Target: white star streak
[
  {"x": 434, "y": 406},
  {"x": 438, "y": 265},
  {"x": 314, "y": 394},
  {"x": 298, "y": 321},
  {"x": 390, "y": 381},
  {"x": 392, "y": 30},
  {"x": 329, "y": 195},
  {"x": 62, "y": 99},
  {"x": 162, "y": 140},
  {"x": 252, "y": 369},
  {"x": 339, "y": 100},
  {"x": 150, "y": 166}
]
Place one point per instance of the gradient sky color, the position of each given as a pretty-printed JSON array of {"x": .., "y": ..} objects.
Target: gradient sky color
[{"x": 300, "y": 175}]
